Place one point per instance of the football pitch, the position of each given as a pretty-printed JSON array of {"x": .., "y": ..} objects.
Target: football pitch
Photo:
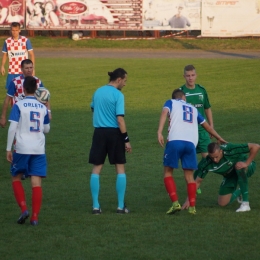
[{"x": 68, "y": 230}]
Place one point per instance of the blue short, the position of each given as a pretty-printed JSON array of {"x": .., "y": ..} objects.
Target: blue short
[
  {"x": 180, "y": 150},
  {"x": 29, "y": 165},
  {"x": 10, "y": 77}
]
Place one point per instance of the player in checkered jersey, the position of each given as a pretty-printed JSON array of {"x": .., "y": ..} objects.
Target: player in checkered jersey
[
  {"x": 16, "y": 48},
  {"x": 15, "y": 91}
]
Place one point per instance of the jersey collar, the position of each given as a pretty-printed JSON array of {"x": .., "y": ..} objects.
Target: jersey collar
[{"x": 30, "y": 97}]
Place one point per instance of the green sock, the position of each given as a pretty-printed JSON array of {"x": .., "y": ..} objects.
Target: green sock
[
  {"x": 234, "y": 196},
  {"x": 243, "y": 183}
]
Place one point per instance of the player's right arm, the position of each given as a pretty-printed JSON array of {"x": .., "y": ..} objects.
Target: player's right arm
[
  {"x": 31, "y": 54},
  {"x": 4, "y": 111},
  {"x": 46, "y": 123},
  {"x": 32, "y": 57},
  {"x": 10, "y": 139},
  {"x": 162, "y": 120},
  {"x": 4, "y": 58}
]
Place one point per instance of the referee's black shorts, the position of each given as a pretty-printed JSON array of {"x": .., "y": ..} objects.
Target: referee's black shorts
[{"x": 107, "y": 141}]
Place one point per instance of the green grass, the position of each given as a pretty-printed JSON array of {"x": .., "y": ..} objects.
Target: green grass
[
  {"x": 67, "y": 229},
  {"x": 158, "y": 44},
  {"x": 165, "y": 44}
]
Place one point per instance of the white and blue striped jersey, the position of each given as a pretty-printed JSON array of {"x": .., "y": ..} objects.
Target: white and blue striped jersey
[
  {"x": 107, "y": 103},
  {"x": 183, "y": 121},
  {"x": 31, "y": 116}
]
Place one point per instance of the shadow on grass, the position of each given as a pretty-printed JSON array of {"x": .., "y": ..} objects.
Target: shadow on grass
[{"x": 235, "y": 54}]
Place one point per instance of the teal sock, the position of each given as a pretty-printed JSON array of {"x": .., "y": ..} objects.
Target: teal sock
[
  {"x": 94, "y": 187},
  {"x": 120, "y": 189},
  {"x": 234, "y": 196}
]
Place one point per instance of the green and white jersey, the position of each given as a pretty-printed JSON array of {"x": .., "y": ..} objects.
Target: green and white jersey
[
  {"x": 232, "y": 153},
  {"x": 198, "y": 97}
]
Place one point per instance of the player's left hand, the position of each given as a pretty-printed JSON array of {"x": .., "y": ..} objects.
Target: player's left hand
[
  {"x": 128, "y": 147},
  {"x": 9, "y": 156},
  {"x": 240, "y": 165},
  {"x": 221, "y": 141},
  {"x": 186, "y": 204}
]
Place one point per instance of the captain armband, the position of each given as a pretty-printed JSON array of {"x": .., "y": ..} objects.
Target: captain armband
[{"x": 126, "y": 137}]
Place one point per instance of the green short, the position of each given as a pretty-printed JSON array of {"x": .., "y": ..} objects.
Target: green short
[
  {"x": 204, "y": 141},
  {"x": 229, "y": 185}
]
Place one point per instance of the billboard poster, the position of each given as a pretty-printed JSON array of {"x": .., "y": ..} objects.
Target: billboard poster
[
  {"x": 230, "y": 18},
  {"x": 171, "y": 15},
  {"x": 11, "y": 11},
  {"x": 84, "y": 14}
]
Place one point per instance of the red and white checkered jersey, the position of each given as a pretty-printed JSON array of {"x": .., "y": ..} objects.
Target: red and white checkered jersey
[
  {"x": 17, "y": 52},
  {"x": 18, "y": 84}
]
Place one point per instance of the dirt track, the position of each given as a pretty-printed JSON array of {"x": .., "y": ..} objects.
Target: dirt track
[{"x": 112, "y": 53}]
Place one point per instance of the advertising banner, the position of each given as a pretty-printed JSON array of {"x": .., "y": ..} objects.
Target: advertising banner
[
  {"x": 215, "y": 18},
  {"x": 11, "y": 11},
  {"x": 171, "y": 15},
  {"x": 84, "y": 14},
  {"x": 230, "y": 18}
]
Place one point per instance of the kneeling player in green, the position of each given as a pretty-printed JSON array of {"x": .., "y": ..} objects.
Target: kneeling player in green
[{"x": 235, "y": 165}]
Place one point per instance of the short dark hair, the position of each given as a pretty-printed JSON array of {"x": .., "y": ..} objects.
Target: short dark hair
[
  {"x": 189, "y": 68},
  {"x": 117, "y": 73},
  {"x": 212, "y": 147},
  {"x": 15, "y": 24},
  {"x": 26, "y": 61},
  {"x": 30, "y": 84},
  {"x": 177, "y": 94}
]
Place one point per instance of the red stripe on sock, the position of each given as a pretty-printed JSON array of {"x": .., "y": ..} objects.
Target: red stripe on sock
[
  {"x": 36, "y": 202},
  {"x": 171, "y": 188},
  {"x": 191, "y": 187},
  {"x": 19, "y": 195}
]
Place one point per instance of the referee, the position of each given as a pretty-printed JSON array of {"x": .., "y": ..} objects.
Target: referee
[{"x": 110, "y": 137}]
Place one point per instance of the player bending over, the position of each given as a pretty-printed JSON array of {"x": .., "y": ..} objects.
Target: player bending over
[
  {"x": 181, "y": 145},
  {"x": 235, "y": 163}
]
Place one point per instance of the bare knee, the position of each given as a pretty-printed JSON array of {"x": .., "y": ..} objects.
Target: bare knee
[
  {"x": 168, "y": 171},
  {"x": 224, "y": 200},
  {"x": 222, "y": 204}
]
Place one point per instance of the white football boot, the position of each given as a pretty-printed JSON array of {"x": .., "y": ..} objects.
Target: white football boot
[{"x": 244, "y": 207}]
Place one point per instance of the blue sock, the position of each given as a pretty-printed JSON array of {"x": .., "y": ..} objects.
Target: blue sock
[
  {"x": 94, "y": 187},
  {"x": 120, "y": 189}
]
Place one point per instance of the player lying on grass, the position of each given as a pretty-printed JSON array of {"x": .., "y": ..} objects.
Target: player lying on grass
[
  {"x": 181, "y": 145},
  {"x": 235, "y": 165}
]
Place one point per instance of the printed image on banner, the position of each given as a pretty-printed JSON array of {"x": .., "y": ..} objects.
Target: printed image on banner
[
  {"x": 84, "y": 14},
  {"x": 11, "y": 11},
  {"x": 230, "y": 18},
  {"x": 171, "y": 15}
]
